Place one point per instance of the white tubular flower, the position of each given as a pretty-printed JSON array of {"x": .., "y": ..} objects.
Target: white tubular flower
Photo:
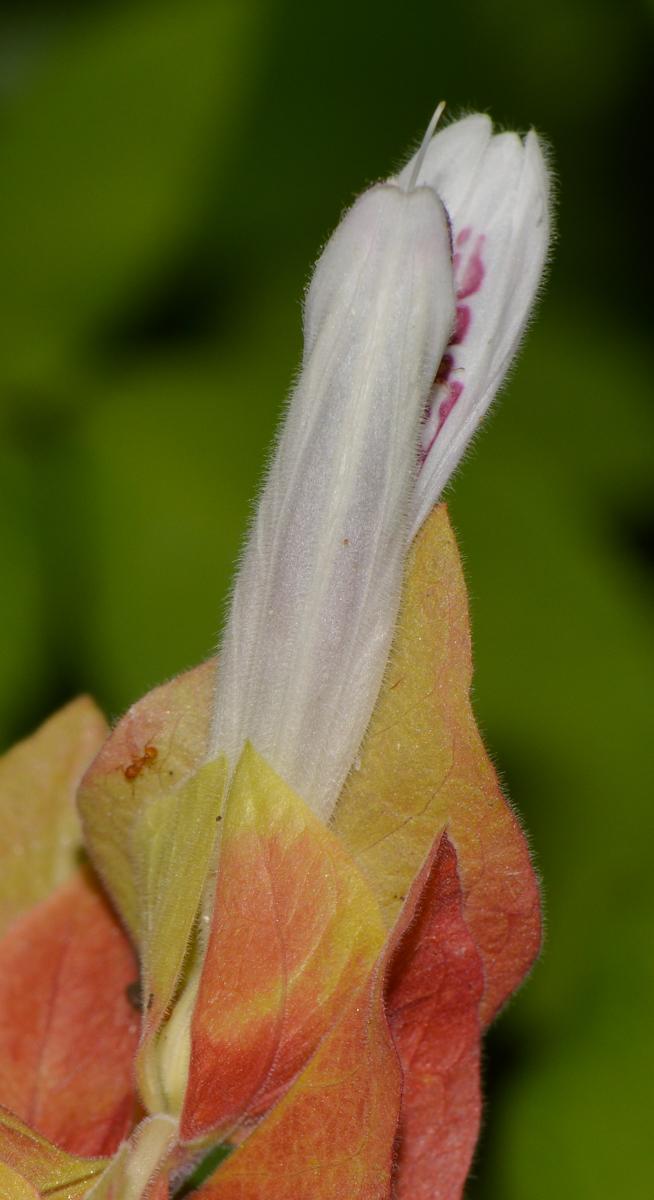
[
  {"x": 316, "y": 598},
  {"x": 407, "y": 339},
  {"x": 496, "y": 192}
]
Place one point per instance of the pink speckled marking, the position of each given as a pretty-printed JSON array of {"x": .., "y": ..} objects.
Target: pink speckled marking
[
  {"x": 474, "y": 271},
  {"x": 454, "y": 390},
  {"x": 446, "y": 407},
  {"x": 468, "y": 269},
  {"x": 461, "y": 326}
]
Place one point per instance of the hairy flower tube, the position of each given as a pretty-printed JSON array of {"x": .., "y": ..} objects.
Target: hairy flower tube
[
  {"x": 309, "y": 896},
  {"x": 316, "y": 599},
  {"x": 394, "y": 382}
]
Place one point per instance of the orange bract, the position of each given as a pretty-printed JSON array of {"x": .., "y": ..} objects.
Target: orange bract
[
  {"x": 424, "y": 770},
  {"x": 68, "y": 1034},
  {"x": 335, "y": 1038},
  {"x": 295, "y": 931},
  {"x": 41, "y": 835},
  {"x": 332, "y": 1136},
  {"x": 434, "y": 984}
]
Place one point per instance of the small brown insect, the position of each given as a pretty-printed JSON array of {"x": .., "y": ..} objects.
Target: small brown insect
[
  {"x": 444, "y": 369},
  {"x": 137, "y": 764}
]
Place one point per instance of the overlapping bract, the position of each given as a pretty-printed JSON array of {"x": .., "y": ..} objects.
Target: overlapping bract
[
  {"x": 311, "y": 996},
  {"x": 424, "y": 770},
  {"x": 333, "y": 1057}
]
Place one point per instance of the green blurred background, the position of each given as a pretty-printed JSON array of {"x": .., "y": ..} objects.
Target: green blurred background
[{"x": 168, "y": 173}]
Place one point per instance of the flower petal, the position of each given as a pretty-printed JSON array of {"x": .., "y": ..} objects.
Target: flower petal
[{"x": 496, "y": 193}]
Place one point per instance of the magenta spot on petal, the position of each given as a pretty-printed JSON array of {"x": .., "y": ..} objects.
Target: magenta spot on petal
[
  {"x": 462, "y": 324},
  {"x": 474, "y": 272},
  {"x": 446, "y": 407},
  {"x": 462, "y": 237}
]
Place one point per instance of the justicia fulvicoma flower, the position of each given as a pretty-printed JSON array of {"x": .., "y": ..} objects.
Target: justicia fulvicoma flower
[
  {"x": 406, "y": 344},
  {"x": 320, "y": 896}
]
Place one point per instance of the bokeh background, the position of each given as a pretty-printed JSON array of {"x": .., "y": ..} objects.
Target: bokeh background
[{"x": 168, "y": 172}]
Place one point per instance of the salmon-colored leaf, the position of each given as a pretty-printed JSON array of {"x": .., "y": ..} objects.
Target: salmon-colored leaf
[
  {"x": 156, "y": 747},
  {"x": 332, "y": 1135},
  {"x": 295, "y": 931},
  {"x": 41, "y": 837},
  {"x": 68, "y": 1033},
  {"x": 434, "y": 984},
  {"x": 50, "y": 1170},
  {"x": 423, "y": 768}
]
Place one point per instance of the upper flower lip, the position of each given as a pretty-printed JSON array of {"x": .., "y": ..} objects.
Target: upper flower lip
[{"x": 495, "y": 189}]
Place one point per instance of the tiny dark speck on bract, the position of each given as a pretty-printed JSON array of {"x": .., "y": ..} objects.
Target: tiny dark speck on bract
[{"x": 134, "y": 994}]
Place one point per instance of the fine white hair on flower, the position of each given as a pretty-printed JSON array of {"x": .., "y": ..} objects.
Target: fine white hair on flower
[
  {"x": 316, "y": 599},
  {"x": 496, "y": 193},
  {"x": 415, "y": 310}
]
